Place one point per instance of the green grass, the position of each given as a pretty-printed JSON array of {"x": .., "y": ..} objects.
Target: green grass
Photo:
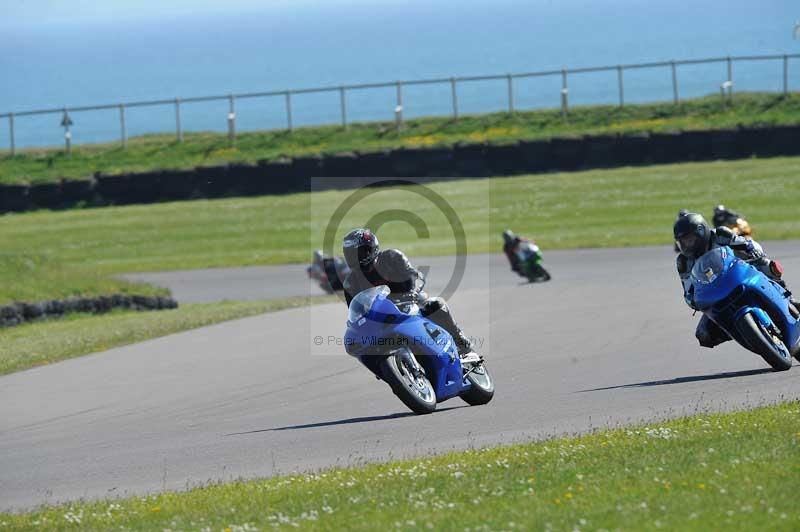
[
  {"x": 32, "y": 277},
  {"x": 55, "y": 254},
  {"x": 738, "y": 471},
  {"x": 39, "y": 343},
  {"x": 161, "y": 151}
]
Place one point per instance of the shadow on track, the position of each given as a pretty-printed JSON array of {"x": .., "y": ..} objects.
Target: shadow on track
[
  {"x": 680, "y": 380},
  {"x": 347, "y": 421}
]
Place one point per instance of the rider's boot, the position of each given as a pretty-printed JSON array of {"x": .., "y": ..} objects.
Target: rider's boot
[
  {"x": 790, "y": 295},
  {"x": 465, "y": 349}
]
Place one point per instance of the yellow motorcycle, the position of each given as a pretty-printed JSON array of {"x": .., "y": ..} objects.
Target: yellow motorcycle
[{"x": 732, "y": 220}]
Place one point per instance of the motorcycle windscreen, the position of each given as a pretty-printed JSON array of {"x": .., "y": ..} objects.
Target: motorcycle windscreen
[
  {"x": 711, "y": 279},
  {"x": 526, "y": 250},
  {"x": 709, "y": 266},
  {"x": 361, "y": 305}
]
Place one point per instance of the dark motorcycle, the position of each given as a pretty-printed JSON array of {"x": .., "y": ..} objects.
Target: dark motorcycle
[{"x": 329, "y": 272}]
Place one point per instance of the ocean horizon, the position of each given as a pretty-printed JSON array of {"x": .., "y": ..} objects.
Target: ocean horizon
[{"x": 283, "y": 46}]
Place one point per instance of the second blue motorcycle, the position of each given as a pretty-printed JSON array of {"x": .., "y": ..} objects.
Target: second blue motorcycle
[
  {"x": 753, "y": 309},
  {"x": 414, "y": 356}
]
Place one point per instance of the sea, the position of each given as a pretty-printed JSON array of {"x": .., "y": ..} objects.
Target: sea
[{"x": 277, "y": 46}]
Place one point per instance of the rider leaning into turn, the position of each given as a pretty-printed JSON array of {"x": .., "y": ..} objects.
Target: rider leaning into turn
[
  {"x": 372, "y": 267},
  {"x": 510, "y": 244},
  {"x": 694, "y": 238}
]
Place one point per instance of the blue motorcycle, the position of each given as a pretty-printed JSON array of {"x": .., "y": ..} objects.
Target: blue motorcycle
[
  {"x": 754, "y": 310},
  {"x": 414, "y": 356}
]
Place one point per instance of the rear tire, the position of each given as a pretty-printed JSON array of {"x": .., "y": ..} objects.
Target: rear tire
[
  {"x": 482, "y": 389},
  {"x": 760, "y": 341},
  {"x": 416, "y": 392}
]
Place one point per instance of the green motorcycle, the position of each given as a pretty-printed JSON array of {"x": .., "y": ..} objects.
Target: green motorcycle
[{"x": 530, "y": 262}]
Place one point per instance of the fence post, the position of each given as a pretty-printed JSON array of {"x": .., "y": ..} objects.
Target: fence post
[
  {"x": 564, "y": 94},
  {"x": 66, "y": 122},
  {"x": 11, "y": 133},
  {"x": 178, "y": 129},
  {"x": 785, "y": 74},
  {"x": 510, "y": 81},
  {"x": 621, "y": 86},
  {"x": 289, "y": 110},
  {"x": 398, "y": 110},
  {"x": 730, "y": 77},
  {"x": 231, "y": 118},
  {"x": 674, "y": 83},
  {"x": 123, "y": 131},
  {"x": 454, "y": 96},
  {"x": 343, "y": 104}
]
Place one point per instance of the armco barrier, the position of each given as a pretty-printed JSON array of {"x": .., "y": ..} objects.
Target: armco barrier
[
  {"x": 46, "y": 195},
  {"x": 631, "y": 149},
  {"x": 284, "y": 175},
  {"x": 601, "y": 151},
  {"x": 504, "y": 159},
  {"x": 537, "y": 156},
  {"x": 75, "y": 191},
  {"x": 15, "y": 198},
  {"x": 666, "y": 147},
  {"x": 17, "y": 313}
]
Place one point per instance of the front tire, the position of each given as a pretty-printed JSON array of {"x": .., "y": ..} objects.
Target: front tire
[
  {"x": 408, "y": 382},
  {"x": 763, "y": 342},
  {"x": 538, "y": 274},
  {"x": 481, "y": 390}
]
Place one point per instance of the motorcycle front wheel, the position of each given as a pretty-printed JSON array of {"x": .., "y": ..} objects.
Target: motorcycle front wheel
[
  {"x": 538, "y": 274},
  {"x": 764, "y": 343},
  {"x": 408, "y": 382}
]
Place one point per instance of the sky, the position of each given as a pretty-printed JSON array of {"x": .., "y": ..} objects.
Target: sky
[{"x": 59, "y": 12}]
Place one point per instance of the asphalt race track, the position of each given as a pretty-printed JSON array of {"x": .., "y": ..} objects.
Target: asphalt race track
[{"x": 607, "y": 342}]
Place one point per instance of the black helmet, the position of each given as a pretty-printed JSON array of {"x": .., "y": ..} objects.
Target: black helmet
[
  {"x": 693, "y": 234},
  {"x": 682, "y": 213},
  {"x": 720, "y": 209},
  {"x": 509, "y": 236},
  {"x": 360, "y": 248}
]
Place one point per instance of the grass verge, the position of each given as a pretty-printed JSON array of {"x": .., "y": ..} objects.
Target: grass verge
[
  {"x": 161, "y": 151},
  {"x": 708, "y": 472},
  {"x": 77, "y": 251},
  {"x": 39, "y": 343}
]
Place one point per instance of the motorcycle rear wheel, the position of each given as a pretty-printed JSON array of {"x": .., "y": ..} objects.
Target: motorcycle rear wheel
[
  {"x": 761, "y": 341},
  {"x": 482, "y": 389},
  {"x": 415, "y": 391}
]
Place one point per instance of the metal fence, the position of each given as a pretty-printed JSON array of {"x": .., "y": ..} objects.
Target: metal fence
[{"x": 452, "y": 83}]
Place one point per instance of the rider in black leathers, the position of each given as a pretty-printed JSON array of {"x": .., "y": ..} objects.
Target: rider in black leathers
[
  {"x": 372, "y": 267},
  {"x": 694, "y": 238},
  {"x": 510, "y": 244}
]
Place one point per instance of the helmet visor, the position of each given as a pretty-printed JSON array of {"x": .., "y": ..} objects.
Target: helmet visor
[
  {"x": 358, "y": 255},
  {"x": 689, "y": 243}
]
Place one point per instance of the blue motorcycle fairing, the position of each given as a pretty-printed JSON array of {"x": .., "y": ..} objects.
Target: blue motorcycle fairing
[
  {"x": 376, "y": 328},
  {"x": 726, "y": 288}
]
